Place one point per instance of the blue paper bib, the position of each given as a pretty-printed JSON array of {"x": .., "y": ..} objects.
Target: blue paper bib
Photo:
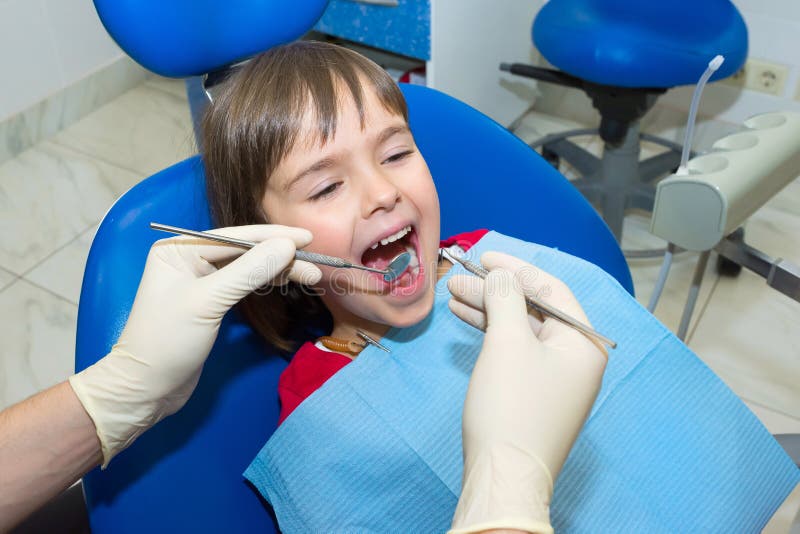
[{"x": 667, "y": 446}]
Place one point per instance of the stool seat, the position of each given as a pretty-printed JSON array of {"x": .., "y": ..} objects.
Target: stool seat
[{"x": 641, "y": 44}]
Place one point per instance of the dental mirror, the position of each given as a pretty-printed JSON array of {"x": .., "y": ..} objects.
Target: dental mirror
[{"x": 397, "y": 266}]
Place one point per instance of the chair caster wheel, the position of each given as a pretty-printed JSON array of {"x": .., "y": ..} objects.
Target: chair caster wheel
[
  {"x": 551, "y": 157},
  {"x": 726, "y": 267}
]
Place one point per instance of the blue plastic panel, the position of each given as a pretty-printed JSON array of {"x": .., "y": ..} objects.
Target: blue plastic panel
[{"x": 404, "y": 29}]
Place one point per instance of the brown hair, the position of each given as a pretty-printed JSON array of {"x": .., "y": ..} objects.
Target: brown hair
[{"x": 254, "y": 123}]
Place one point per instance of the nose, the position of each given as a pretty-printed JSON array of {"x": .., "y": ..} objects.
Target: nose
[{"x": 380, "y": 194}]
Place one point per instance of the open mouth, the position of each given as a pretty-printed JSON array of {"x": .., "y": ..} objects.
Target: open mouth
[{"x": 382, "y": 252}]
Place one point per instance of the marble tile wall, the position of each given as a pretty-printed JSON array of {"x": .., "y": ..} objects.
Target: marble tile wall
[
  {"x": 24, "y": 27},
  {"x": 46, "y": 46},
  {"x": 59, "y": 110},
  {"x": 146, "y": 149},
  {"x": 80, "y": 41}
]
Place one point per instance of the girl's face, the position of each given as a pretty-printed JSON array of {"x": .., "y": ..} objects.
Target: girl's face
[{"x": 366, "y": 195}]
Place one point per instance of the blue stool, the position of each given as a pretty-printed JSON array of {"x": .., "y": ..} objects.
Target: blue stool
[{"x": 624, "y": 54}]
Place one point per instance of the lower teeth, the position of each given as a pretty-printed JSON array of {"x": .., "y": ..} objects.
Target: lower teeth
[{"x": 413, "y": 263}]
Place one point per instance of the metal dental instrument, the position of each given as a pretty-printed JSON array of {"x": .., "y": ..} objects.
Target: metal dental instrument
[
  {"x": 368, "y": 340},
  {"x": 395, "y": 268},
  {"x": 536, "y": 304}
]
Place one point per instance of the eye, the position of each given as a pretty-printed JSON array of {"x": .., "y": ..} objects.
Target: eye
[
  {"x": 328, "y": 191},
  {"x": 397, "y": 157}
]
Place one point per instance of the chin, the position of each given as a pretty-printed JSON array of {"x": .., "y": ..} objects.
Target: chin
[{"x": 413, "y": 314}]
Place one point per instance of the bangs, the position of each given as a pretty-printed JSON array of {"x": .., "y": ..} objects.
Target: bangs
[{"x": 327, "y": 86}]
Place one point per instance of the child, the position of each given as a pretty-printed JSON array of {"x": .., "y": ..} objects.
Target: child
[{"x": 314, "y": 135}]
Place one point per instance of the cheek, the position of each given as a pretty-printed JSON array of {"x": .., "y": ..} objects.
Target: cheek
[
  {"x": 330, "y": 236},
  {"x": 423, "y": 191},
  {"x": 330, "y": 231}
]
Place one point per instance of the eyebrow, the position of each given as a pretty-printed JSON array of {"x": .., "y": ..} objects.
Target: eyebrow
[
  {"x": 328, "y": 162},
  {"x": 391, "y": 131},
  {"x": 325, "y": 163}
]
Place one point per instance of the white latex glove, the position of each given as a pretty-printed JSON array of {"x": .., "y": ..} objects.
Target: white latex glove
[
  {"x": 155, "y": 365},
  {"x": 530, "y": 392}
]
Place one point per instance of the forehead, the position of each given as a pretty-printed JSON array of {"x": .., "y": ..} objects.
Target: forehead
[{"x": 349, "y": 121}]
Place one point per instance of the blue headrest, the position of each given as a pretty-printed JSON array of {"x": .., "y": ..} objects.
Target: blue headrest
[
  {"x": 641, "y": 43},
  {"x": 182, "y": 38}
]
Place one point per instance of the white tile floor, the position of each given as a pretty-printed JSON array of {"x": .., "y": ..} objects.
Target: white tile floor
[{"x": 53, "y": 196}]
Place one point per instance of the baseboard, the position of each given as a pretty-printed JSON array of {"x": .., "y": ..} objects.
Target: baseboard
[{"x": 48, "y": 117}]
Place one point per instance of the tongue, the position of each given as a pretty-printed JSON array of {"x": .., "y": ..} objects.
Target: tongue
[{"x": 381, "y": 256}]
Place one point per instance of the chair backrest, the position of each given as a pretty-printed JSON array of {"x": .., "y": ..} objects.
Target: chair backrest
[
  {"x": 182, "y": 38},
  {"x": 184, "y": 475}
]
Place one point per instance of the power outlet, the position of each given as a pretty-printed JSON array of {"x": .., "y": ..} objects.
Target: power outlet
[{"x": 761, "y": 76}]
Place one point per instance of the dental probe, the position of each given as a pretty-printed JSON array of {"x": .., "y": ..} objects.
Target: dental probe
[
  {"x": 395, "y": 268},
  {"x": 536, "y": 304}
]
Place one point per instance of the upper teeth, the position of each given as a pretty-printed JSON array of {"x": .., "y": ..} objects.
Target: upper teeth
[{"x": 393, "y": 237}]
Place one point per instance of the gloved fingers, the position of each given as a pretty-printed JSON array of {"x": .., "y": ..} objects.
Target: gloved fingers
[
  {"x": 504, "y": 303},
  {"x": 468, "y": 314},
  {"x": 551, "y": 290},
  {"x": 215, "y": 252},
  {"x": 537, "y": 283},
  {"x": 558, "y": 335},
  {"x": 200, "y": 257},
  {"x": 252, "y": 270},
  {"x": 469, "y": 290},
  {"x": 302, "y": 272}
]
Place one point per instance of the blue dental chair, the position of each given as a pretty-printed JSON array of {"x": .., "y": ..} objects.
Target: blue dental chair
[
  {"x": 624, "y": 54},
  {"x": 185, "y": 475}
]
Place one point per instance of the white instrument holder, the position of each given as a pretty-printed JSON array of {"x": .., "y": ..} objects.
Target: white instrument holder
[{"x": 703, "y": 210}]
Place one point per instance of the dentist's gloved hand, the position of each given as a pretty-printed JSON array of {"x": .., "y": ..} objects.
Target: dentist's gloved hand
[
  {"x": 156, "y": 363},
  {"x": 530, "y": 393}
]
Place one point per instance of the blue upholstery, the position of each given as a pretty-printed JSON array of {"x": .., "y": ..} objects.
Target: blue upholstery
[
  {"x": 185, "y": 475},
  {"x": 641, "y": 43},
  {"x": 182, "y": 38}
]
